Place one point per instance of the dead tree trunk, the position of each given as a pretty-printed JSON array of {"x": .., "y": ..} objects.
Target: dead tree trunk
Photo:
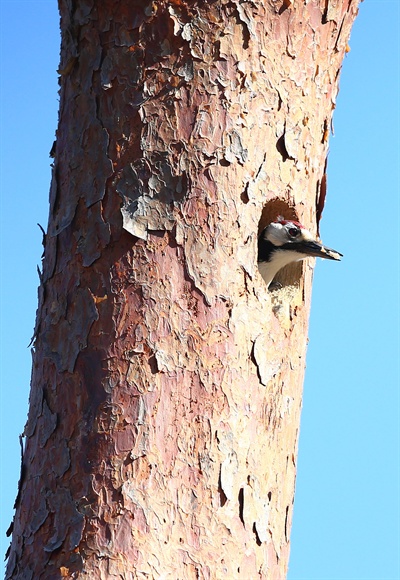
[{"x": 166, "y": 389}]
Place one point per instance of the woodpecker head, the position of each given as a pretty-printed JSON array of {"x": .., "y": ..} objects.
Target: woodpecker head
[{"x": 283, "y": 242}]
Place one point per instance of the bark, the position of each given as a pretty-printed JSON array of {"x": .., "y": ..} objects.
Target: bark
[{"x": 166, "y": 390}]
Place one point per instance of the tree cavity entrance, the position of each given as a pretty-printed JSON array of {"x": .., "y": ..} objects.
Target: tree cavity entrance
[{"x": 290, "y": 275}]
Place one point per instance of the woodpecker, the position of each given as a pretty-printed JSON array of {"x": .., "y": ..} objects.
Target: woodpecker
[{"x": 285, "y": 241}]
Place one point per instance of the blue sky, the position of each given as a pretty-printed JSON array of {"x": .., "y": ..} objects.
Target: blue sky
[{"x": 346, "y": 517}]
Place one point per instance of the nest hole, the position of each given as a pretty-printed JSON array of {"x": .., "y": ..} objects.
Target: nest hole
[{"x": 289, "y": 275}]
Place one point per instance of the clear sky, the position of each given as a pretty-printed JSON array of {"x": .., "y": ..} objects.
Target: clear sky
[{"x": 346, "y": 517}]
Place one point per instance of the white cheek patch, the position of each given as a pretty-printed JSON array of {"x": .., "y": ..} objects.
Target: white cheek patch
[{"x": 276, "y": 234}]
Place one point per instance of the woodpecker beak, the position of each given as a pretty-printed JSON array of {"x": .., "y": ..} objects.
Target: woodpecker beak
[{"x": 317, "y": 250}]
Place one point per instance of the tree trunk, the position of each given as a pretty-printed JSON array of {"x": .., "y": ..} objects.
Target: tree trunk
[{"x": 166, "y": 390}]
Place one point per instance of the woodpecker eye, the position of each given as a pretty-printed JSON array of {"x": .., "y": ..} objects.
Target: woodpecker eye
[{"x": 293, "y": 232}]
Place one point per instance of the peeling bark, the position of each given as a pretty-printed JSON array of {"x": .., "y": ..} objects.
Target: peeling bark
[{"x": 166, "y": 390}]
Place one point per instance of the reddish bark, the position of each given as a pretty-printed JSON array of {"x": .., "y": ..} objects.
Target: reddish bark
[{"x": 166, "y": 388}]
